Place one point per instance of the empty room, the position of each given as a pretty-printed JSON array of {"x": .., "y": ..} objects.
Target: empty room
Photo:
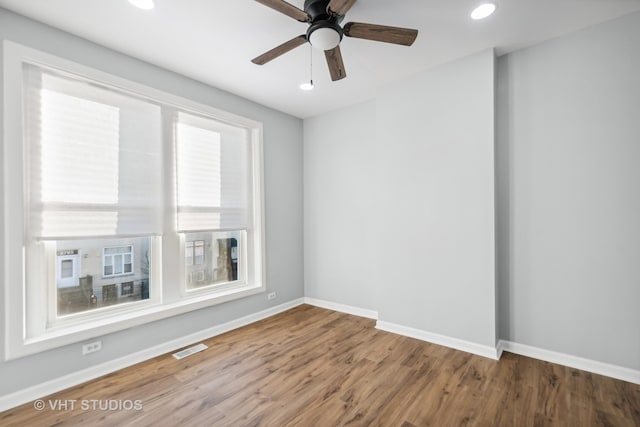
[{"x": 320, "y": 213}]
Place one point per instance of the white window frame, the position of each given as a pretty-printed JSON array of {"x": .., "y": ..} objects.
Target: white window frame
[{"x": 24, "y": 300}]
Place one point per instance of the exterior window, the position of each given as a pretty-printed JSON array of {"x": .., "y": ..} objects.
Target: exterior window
[
  {"x": 194, "y": 252},
  {"x": 118, "y": 261},
  {"x": 188, "y": 253},
  {"x": 199, "y": 252},
  {"x": 66, "y": 271},
  {"x": 126, "y": 288},
  {"x": 95, "y": 223}
]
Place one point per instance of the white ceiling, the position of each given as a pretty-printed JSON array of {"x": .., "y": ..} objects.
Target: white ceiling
[{"x": 213, "y": 41}]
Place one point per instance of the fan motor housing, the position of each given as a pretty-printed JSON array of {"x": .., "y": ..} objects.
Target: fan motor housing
[
  {"x": 321, "y": 18},
  {"x": 317, "y": 9}
]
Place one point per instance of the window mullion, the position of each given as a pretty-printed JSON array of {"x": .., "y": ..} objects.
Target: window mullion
[{"x": 173, "y": 268}]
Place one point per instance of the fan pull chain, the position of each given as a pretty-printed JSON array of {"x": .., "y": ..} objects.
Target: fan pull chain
[
  {"x": 309, "y": 85},
  {"x": 311, "y": 64}
]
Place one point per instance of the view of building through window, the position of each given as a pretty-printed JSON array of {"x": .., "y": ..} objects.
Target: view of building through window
[
  {"x": 101, "y": 272},
  {"x": 212, "y": 258},
  {"x": 118, "y": 261}
]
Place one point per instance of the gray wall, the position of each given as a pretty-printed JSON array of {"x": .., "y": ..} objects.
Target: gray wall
[
  {"x": 283, "y": 192},
  {"x": 399, "y": 210},
  {"x": 569, "y": 194},
  {"x": 568, "y": 198},
  {"x": 436, "y": 187},
  {"x": 339, "y": 211}
]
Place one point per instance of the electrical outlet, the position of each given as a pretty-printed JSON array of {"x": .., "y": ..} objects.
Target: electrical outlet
[
  {"x": 91, "y": 347},
  {"x": 271, "y": 296}
]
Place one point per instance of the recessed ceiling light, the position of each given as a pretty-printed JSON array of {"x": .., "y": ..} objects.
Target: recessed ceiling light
[
  {"x": 143, "y": 4},
  {"x": 483, "y": 11}
]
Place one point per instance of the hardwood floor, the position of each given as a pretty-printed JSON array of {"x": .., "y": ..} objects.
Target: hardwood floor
[{"x": 315, "y": 367}]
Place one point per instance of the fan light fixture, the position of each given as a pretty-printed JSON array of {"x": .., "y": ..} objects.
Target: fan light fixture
[
  {"x": 324, "y": 38},
  {"x": 143, "y": 4},
  {"x": 483, "y": 11}
]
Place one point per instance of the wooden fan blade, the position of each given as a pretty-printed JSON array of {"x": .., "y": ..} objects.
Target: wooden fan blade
[
  {"x": 340, "y": 7},
  {"x": 334, "y": 61},
  {"x": 280, "y": 50},
  {"x": 286, "y": 8},
  {"x": 381, "y": 33}
]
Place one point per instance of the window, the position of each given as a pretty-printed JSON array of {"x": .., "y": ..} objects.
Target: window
[
  {"x": 127, "y": 288},
  {"x": 117, "y": 261},
  {"x": 215, "y": 210},
  {"x": 103, "y": 165},
  {"x": 188, "y": 253},
  {"x": 199, "y": 252},
  {"x": 194, "y": 252},
  {"x": 66, "y": 269}
]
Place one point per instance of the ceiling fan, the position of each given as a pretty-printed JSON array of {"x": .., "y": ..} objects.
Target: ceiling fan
[{"x": 325, "y": 33}]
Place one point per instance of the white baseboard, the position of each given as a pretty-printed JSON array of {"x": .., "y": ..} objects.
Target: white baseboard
[
  {"x": 455, "y": 343},
  {"x": 500, "y": 348},
  {"x": 601, "y": 368},
  {"x": 38, "y": 391},
  {"x": 342, "y": 308}
]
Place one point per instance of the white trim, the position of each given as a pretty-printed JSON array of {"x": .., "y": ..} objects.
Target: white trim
[
  {"x": 38, "y": 391},
  {"x": 342, "y": 308},
  {"x": 594, "y": 366},
  {"x": 455, "y": 343},
  {"x": 500, "y": 348}
]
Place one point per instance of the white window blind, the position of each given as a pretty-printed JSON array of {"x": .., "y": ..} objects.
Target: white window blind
[
  {"x": 214, "y": 182},
  {"x": 94, "y": 167}
]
